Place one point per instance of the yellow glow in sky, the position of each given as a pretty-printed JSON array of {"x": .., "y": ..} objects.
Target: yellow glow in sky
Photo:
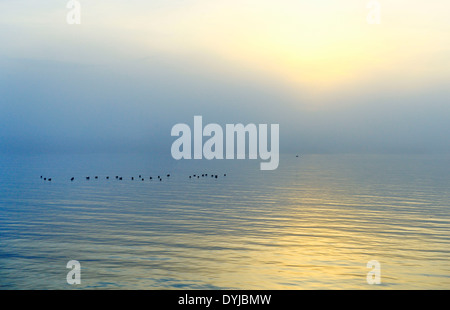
[
  {"x": 321, "y": 45},
  {"x": 318, "y": 45}
]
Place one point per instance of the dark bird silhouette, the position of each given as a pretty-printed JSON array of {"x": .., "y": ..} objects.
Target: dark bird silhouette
[
  {"x": 160, "y": 179},
  {"x": 198, "y": 177},
  {"x": 132, "y": 178},
  {"x": 96, "y": 177},
  {"x": 168, "y": 175},
  {"x": 87, "y": 178},
  {"x": 140, "y": 176},
  {"x": 225, "y": 175},
  {"x": 72, "y": 179},
  {"x": 142, "y": 179},
  {"x": 117, "y": 176},
  {"x": 190, "y": 177},
  {"x": 41, "y": 176},
  {"x": 151, "y": 178},
  {"x": 50, "y": 179},
  {"x": 45, "y": 179},
  {"x": 120, "y": 178},
  {"x": 215, "y": 176},
  {"x": 107, "y": 178}
]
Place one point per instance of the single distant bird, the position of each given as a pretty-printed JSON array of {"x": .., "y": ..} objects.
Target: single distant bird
[
  {"x": 225, "y": 175},
  {"x": 72, "y": 179},
  {"x": 120, "y": 178},
  {"x": 168, "y": 175},
  {"x": 87, "y": 178},
  {"x": 151, "y": 178},
  {"x": 50, "y": 179},
  {"x": 107, "y": 178},
  {"x": 45, "y": 179},
  {"x": 41, "y": 176},
  {"x": 96, "y": 177}
]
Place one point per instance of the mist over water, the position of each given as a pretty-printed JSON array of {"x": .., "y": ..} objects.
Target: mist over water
[
  {"x": 314, "y": 222},
  {"x": 100, "y": 97}
]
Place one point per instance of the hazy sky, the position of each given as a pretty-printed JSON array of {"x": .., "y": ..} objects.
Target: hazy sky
[{"x": 135, "y": 68}]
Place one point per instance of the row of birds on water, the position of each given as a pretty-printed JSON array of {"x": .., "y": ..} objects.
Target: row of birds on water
[
  {"x": 151, "y": 178},
  {"x": 205, "y": 175},
  {"x": 140, "y": 177}
]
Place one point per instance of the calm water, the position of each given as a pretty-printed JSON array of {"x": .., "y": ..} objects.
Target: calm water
[{"x": 312, "y": 224}]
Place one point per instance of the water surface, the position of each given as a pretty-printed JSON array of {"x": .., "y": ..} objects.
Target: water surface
[{"x": 313, "y": 223}]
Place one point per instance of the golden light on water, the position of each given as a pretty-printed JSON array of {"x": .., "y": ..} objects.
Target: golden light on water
[{"x": 133, "y": 70}]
